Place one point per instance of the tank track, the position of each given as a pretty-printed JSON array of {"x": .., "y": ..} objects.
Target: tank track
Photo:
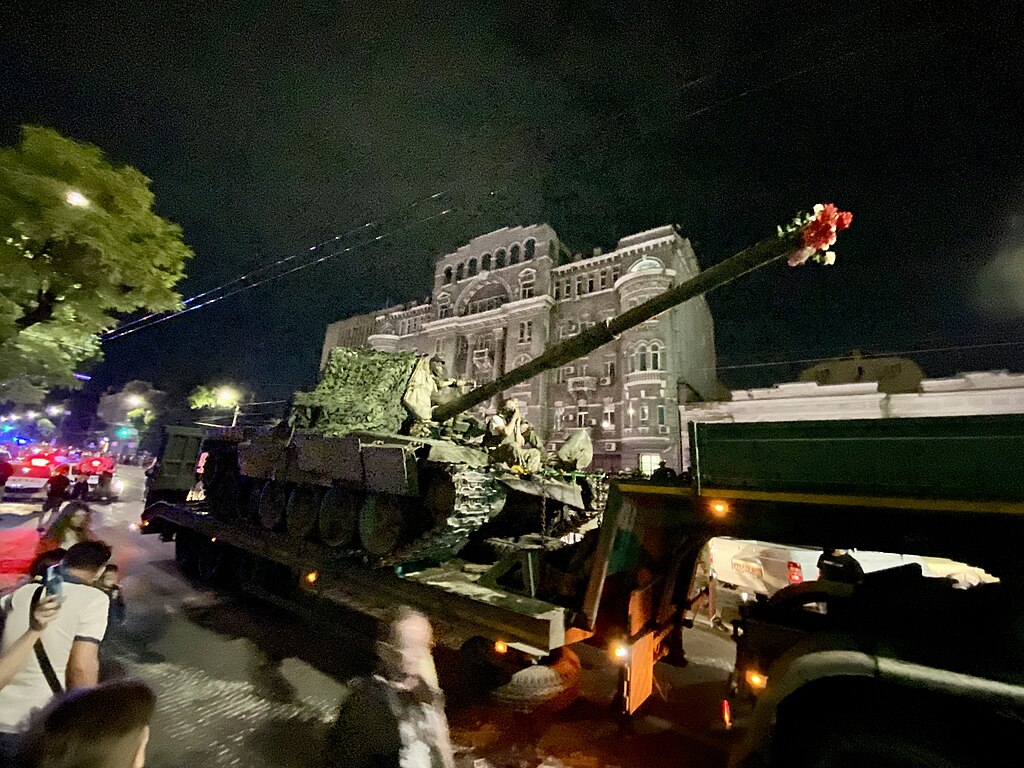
[{"x": 479, "y": 495}]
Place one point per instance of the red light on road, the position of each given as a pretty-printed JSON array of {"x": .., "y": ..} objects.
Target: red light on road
[
  {"x": 726, "y": 713},
  {"x": 96, "y": 462}
]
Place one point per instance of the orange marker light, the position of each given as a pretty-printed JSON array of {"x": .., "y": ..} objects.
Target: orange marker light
[
  {"x": 726, "y": 713},
  {"x": 312, "y": 576},
  {"x": 500, "y": 647},
  {"x": 755, "y": 680},
  {"x": 719, "y": 509}
]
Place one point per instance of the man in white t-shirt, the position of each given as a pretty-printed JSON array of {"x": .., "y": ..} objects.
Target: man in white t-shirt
[{"x": 71, "y": 641}]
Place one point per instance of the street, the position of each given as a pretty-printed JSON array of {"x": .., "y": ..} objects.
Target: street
[{"x": 243, "y": 683}]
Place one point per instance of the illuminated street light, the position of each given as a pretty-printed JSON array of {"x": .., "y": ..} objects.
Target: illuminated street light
[
  {"x": 228, "y": 398},
  {"x": 55, "y": 410},
  {"x": 31, "y": 414},
  {"x": 77, "y": 199},
  {"x": 135, "y": 401}
]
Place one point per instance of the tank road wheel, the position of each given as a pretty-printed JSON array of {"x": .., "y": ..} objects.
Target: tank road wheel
[
  {"x": 339, "y": 517},
  {"x": 273, "y": 501},
  {"x": 381, "y": 523},
  {"x": 303, "y": 510},
  {"x": 439, "y": 496}
]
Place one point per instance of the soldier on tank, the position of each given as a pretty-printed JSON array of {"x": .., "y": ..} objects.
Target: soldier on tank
[{"x": 506, "y": 439}]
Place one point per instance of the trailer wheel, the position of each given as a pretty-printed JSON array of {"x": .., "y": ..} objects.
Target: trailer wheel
[
  {"x": 381, "y": 521},
  {"x": 213, "y": 563},
  {"x": 339, "y": 516},
  {"x": 273, "y": 501},
  {"x": 552, "y": 684},
  {"x": 185, "y": 552},
  {"x": 303, "y": 510}
]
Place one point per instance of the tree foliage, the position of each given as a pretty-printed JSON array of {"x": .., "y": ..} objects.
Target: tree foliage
[
  {"x": 79, "y": 244},
  {"x": 215, "y": 396}
]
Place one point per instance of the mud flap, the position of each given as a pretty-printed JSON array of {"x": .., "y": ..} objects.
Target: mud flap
[{"x": 640, "y": 672}]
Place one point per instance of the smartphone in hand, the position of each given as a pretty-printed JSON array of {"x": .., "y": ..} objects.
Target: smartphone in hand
[{"x": 54, "y": 581}]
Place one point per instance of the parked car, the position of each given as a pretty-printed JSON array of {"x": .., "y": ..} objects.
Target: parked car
[{"x": 29, "y": 478}]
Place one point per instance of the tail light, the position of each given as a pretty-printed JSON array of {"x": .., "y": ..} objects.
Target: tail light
[
  {"x": 726, "y": 713},
  {"x": 795, "y": 572},
  {"x": 96, "y": 462}
]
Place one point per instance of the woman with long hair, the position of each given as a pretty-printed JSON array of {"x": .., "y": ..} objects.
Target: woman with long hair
[{"x": 73, "y": 525}]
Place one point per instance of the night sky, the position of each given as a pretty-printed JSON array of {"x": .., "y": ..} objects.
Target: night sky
[{"x": 268, "y": 128}]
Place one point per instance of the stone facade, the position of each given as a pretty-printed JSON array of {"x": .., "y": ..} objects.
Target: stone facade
[
  {"x": 969, "y": 394},
  {"x": 504, "y": 297}
]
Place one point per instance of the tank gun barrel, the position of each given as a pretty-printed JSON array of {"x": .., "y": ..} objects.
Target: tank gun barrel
[{"x": 764, "y": 252}]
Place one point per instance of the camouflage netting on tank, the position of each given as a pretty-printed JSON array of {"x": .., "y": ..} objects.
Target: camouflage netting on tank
[{"x": 360, "y": 390}]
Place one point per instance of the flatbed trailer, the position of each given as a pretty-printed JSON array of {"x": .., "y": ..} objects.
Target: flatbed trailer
[{"x": 460, "y": 607}]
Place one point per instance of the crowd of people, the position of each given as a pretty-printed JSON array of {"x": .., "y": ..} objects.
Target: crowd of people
[{"x": 53, "y": 709}]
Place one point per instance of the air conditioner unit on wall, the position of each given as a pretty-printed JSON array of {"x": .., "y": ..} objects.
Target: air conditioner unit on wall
[
  {"x": 606, "y": 380},
  {"x": 611, "y": 446},
  {"x": 663, "y": 429}
]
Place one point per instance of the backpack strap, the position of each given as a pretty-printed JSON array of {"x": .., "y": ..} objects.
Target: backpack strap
[{"x": 41, "y": 657}]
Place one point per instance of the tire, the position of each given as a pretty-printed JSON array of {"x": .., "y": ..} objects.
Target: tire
[
  {"x": 854, "y": 745},
  {"x": 213, "y": 564},
  {"x": 185, "y": 552},
  {"x": 550, "y": 685}
]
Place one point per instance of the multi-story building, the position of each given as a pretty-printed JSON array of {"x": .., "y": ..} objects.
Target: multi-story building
[{"x": 504, "y": 297}]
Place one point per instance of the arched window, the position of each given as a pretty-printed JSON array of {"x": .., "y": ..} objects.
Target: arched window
[
  {"x": 529, "y": 248},
  {"x": 513, "y": 255},
  {"x": 460, "y": 272},
  {"x": 472, "y": 267},
  {"x": 485, "y": 262},
  {"x": 447, "y": 275},
  {"x": 499, "y": 259},
  {"x": 638, "y": 360},
  {"x": 490, "y": 296},
  {"x": 527, "y": 280},
  {"x": 655, "y": 356},
  {"x": 444, "y": 305}
]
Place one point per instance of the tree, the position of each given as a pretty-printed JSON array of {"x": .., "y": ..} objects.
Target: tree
[
  {"x": 79, "y": 244},
  {"x": 46, "y": 428},
  {"x": 225, "y": 396}
]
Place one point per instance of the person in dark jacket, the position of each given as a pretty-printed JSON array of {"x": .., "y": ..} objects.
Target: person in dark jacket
[
  {"x": 56, "y": 494},
  {"x": 839, "y": 565},
  {"x": 395, "y": 718}
]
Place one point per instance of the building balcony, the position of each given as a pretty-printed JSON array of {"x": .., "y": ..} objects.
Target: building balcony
[
  {"x": 645, "y": 377},
  {"x": 582, "y": 384}
]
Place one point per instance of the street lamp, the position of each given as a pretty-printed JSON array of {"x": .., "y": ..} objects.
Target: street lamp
[
  {"x": 135, "y": 401},
  {"x": 55, "y": 410},
  {"x": 228, "y": 398},
  {"x": 76, "y": 199}
]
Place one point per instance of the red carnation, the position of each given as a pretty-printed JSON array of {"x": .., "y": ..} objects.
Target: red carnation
[{"x": 843, "y": 222}]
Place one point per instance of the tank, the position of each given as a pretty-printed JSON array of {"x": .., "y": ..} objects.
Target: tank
[{"x": 381, "y": 462}]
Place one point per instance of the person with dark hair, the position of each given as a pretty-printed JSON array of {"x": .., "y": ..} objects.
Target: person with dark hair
[
  {"x": 102, "y": 727},
  {"x": 108, "y": 583},
  {"x": 37, "y": 568},
  {"x": 72, "y": 526},
  {"x": 395, "y": 718},
  {"x": 839, "y": 565},
  {"x": 67, "y": 655},
  {"x": 56, "y": 494}
]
